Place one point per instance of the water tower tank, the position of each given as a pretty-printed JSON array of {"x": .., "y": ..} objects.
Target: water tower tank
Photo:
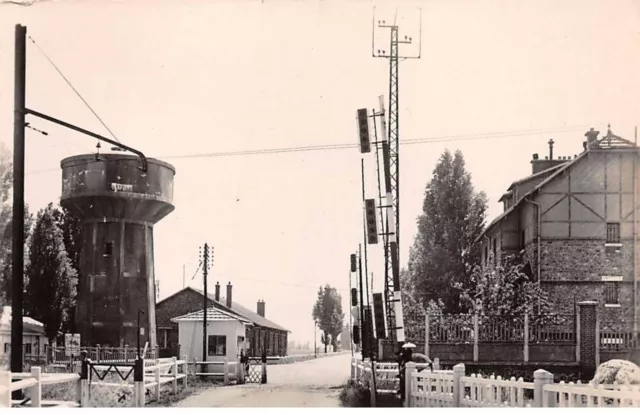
[{"x": 118, "y": 204}]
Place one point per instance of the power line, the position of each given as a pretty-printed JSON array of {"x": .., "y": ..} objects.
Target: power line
[
  {"x": 73, "y": 88},
  {"x": 330, "y": 147}
]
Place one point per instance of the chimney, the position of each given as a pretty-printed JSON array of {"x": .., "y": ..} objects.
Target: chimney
[
  {"x": 229, "y": 302},
  {"x": 217, "y": 297},
  {"x": 551, "y": 149},
  {"x": 260, "y": 309},
  {"x": 592, "y": 136}
]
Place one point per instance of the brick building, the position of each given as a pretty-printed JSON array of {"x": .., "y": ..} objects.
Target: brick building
[
  {"x": 263, "y": 335},
  {"x": 573, "y": 220}
]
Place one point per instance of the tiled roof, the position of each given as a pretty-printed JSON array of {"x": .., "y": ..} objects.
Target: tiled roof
[
  {"x": 213, "y": 314},
  {"x": 244, "y": 312},
  {"x": 29, "y": 324}
]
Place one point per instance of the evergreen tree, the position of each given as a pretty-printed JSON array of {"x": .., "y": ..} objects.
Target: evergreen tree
[
  {"x": 50, "y": 288},
  {"x": 453, "y": 215}
]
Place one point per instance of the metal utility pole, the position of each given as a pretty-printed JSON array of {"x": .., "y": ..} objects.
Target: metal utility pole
[
  {"x": 363, "y": 331},
  {"x": 204, "y": 254},
  {"x": 392, "y": 176},
  {"x": 17, "y": 253}
]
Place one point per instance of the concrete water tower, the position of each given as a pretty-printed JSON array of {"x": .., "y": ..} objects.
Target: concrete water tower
[{"x": 118, "y": 203}]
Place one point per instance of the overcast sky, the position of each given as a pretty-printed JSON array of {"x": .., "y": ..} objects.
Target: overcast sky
[{"x": 187, "y": 77}]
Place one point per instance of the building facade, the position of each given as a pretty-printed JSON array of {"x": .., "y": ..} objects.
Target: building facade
[
  {"x": 225, "y": 335},
  {"x": 262, "y": 335},
  {"x": 575, "y": 222}
]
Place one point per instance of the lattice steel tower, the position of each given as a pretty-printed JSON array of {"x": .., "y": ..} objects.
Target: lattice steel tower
[{"x": 390, "y": 154}]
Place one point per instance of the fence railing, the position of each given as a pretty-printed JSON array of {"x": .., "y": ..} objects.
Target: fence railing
[
  {"x": 154, "y": 374},
  {"x": 31, "y": 383},
  {"x": 227, "y": 370},
  {"x": 387, "y": 380},
  {"x": 97, "y": 354},
  {"x": 456, "y": 389}
]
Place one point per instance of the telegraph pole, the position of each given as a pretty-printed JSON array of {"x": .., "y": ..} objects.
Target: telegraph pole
[
  {"x": 17, "y": 253},
  {"x": 392, "y": 175},
  {"x": 204, "y": 253}
]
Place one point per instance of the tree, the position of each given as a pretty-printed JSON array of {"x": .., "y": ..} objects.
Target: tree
[
  {"x": 328, "y": 315},
  {"x": 6, "y": 224},
  {"x": 6, "y": 268},
  {"x": 414, "y": 311},
  {"x": 51, "y": 287},
  {"x": 72, "y": 238},
  {"x": 504, "y": 289},
  {"x": 453, "y": 216}
]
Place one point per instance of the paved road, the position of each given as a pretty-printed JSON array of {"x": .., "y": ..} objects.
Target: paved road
[{"x": 314, "y": 383}]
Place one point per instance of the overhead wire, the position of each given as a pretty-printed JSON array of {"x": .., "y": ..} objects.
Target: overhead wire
[
  {"x": 330, "y": 147},
  {"x": 73, "y": 88}
]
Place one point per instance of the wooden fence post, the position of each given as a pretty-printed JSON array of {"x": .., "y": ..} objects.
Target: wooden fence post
[
  {"x": 35, "y": 392},
  {"x": 476, "y": 331},
  {"x": 353, "y": 370},
  {"x": 458, "y": 373},
  {"x": 97, "y": 353},
  {"x": 126, "y": 353},
  {"x": 157, "y": 379},
  {"x": 426, "y": 334},
  {"x": 408, "y": 379},
  {"x": 226, "y": 371},
  {"x": 185, "y": 369},
  {"x": 526, "y": 337},
  {"x": 174, "y": 371},
  {"x": 540, "y": 378},
  {"x": 5, "y": 389}
]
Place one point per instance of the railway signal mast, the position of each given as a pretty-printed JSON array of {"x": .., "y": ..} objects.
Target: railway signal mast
[{"x": 390, "y": 146}]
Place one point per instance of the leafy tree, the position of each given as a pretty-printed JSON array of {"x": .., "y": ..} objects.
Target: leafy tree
[
  {"x": 6, "y": 224},
  {"x": 50, "y": 274},
  {"x": 6, "y": 268},
  {"x": 503, "y": 289},
  {"x": 414, "y": 311},
  {"x": 328, "y": 315},
  {"x": 453, "y": 216}
]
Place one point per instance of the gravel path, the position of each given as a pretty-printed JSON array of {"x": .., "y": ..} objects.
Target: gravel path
[{"x": 314, "y": 383}]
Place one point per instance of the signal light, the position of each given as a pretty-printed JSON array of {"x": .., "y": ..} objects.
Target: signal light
[
  {"x": 371, "y": 222},
  {"x": 363, "y": 131},
  {"x": 356, "y": 334},
  {"x": 353, "y": 263},
  {"x": 378, "y": 315},
  {"x": 354, "y": 297}
]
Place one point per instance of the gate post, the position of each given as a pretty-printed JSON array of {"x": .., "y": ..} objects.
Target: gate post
[
  {"x": 138, "y": 386},
  {"x": 264, "y": 367},
  {"x": 83, "y": 384}
]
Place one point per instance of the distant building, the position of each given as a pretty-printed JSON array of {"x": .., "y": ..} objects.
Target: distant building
[
  {"x": 263, "y": 334},
  {"x": 574, "y": 221},
  {"x": 33, "y": 337},
  {"x": 225, "y": 335}
]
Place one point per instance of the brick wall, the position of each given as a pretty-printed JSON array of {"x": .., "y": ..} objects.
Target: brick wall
[
  {"x": 572, "y": 271},
  {"x": 189, "y": 301},
  {"x": 183, "y": 303}
]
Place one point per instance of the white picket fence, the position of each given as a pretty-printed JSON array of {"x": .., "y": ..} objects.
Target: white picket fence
[
  {"x": 456, "y": 389},
  {"x": 387, "y": 380},
  {"x": 156, "y": 373},
  {"x": 32, "y": 383}
]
